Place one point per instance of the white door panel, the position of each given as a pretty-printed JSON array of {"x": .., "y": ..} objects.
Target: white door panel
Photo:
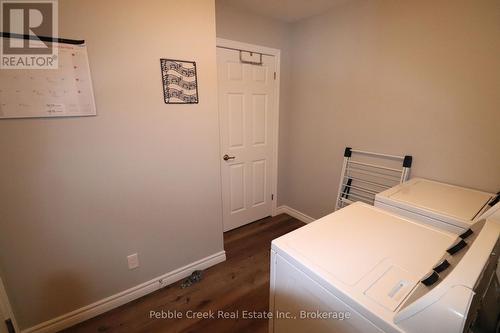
[{"x": 247, "y": 96}]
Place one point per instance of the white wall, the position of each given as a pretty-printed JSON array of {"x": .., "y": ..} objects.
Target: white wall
[
  {"x": 80, "y": 194},
  {"x": 400, "y": 77},
  {"x": 240, "y": 25}
]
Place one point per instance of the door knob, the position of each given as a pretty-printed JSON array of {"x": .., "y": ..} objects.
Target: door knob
[{"x": 227, "y": 157}]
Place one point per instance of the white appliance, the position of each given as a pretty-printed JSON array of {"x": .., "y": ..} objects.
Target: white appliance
[
  {"x": 362, "y": 269},
  {"x": 445, "y": 206}
]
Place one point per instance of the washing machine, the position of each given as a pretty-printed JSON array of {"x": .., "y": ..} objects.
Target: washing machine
[
  {"x": 363, "y": 269},
  {"x": 445, "y": 206}
]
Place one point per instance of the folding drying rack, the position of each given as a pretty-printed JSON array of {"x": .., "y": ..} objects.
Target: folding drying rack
[{"x": 364, "y": 174}]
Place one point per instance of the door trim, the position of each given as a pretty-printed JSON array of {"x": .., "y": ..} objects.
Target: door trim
[
  {"x": 235, "y": 45},
  {"x": 5, "y": 308}
]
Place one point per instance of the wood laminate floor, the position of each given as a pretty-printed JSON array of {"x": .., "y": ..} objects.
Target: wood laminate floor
[{"x": 240, "y": 283}]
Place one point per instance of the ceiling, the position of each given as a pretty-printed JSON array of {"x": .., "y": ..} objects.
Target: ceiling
[{"x": 285, "y": 10}]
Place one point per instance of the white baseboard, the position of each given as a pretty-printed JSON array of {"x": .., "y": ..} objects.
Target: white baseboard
[
  {"x": 294, "y": 213},
  {"x": 124, "y": 297}
]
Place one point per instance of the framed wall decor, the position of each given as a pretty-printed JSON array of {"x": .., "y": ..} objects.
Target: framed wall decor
[{"x": 180, "y": 81}]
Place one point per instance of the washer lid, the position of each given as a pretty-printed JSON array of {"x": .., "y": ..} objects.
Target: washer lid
[
  {"x": 444, "y": 200},
  {"x": 355, "y": 241}
]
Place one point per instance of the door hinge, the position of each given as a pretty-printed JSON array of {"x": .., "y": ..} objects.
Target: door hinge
[
  {"x": 272, "y": 196},
  {"x": 10, "y": 326},
  {"x": 275, "y": 75}
]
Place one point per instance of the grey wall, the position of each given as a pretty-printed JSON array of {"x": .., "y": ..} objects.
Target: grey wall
[
  {"x": 401, "y": 77},
  {"x": 80, "y": 194},
  {"x": 240, "y": 25}
]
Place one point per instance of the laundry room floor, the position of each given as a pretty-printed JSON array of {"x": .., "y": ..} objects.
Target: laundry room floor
[{"x": 240, "y": 283}]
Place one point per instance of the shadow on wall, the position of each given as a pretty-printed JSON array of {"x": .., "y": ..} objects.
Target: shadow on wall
[{"x": 63, "y": 285}]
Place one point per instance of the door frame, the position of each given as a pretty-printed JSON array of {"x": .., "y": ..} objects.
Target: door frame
[
  {"x": 5, "y": 308},
  {"x": 235, "y": 45}
]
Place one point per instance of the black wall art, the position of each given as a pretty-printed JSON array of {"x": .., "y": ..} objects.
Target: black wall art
[{"x": 180, "y": 82}]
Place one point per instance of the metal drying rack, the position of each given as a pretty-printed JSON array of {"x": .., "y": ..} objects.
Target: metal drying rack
[{"x": 365, "y": 173}]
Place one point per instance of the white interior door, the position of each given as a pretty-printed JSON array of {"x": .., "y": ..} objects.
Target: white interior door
[{"x": 247, "y": 106}]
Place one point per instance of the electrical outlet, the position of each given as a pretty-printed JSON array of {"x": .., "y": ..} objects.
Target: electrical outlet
[{"x": 133, "y": 261}]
